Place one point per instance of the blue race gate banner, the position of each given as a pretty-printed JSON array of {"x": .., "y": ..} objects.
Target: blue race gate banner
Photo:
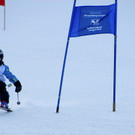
[{"x": 89, "y": 20}]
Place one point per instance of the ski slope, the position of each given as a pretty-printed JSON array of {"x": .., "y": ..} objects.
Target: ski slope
[{"x": 34, "y": 45}]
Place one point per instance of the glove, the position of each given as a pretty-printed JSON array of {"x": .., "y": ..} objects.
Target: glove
[{"x": 18, "y": 86}]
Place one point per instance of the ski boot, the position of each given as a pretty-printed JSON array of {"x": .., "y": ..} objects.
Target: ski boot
[{"x": 4, "y": 104}]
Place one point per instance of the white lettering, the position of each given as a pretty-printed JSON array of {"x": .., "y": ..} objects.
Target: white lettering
[
  {"x": 94, "y": 15},
  {"x": 95, "y": 28}
]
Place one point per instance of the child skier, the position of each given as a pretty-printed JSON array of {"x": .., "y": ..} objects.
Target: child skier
[{"x": 4, "y": 71}]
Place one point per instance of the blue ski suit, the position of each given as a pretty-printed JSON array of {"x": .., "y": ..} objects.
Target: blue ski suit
[{"x": 5, "y": 72}]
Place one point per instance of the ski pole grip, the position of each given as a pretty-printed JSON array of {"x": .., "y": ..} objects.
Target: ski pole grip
[{"x": 9, "y": 85}]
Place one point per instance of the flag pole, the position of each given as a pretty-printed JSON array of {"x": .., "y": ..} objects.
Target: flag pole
[
  {"x": 114, "y": 81},
  {"x": 115, "y": 54},
  {"x": 5, "y": 17},
  {"x": 64, "y": 62}
]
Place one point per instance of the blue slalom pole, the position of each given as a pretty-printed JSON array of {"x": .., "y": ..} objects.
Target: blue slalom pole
[
  {"x": 115, "y": 54},
  {"x": 114, "y": 77},
  {"x": 65, "y": 57}
]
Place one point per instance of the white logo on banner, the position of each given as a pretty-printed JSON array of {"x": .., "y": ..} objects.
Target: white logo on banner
[
  {"x": 95, "y": 25},
  {"x": 95, "y": 21}
]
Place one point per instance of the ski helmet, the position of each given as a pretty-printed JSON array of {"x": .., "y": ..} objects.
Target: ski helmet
[{"x": 1, "y": 55}]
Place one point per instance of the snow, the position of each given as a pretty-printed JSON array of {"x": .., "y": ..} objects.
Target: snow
[{"x": 34, "y": 44}]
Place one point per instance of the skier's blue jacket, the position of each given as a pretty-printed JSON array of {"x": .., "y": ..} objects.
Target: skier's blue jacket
[{"x": 4, "y": 72}]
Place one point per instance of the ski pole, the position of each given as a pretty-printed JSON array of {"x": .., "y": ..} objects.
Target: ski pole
[{"x": 18, "y": 102}]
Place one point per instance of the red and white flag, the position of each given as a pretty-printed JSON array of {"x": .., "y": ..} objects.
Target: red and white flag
[{"x": 2, "y": 2}]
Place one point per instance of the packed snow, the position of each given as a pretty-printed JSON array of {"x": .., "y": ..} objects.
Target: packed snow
[{"x": 34, "y": 45}]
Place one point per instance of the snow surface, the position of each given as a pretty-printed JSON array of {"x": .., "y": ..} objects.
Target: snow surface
[{"x": 34, "y": 44}]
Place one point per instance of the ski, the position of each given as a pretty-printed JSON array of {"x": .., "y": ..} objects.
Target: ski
[{"x": 6, "y": 109}]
